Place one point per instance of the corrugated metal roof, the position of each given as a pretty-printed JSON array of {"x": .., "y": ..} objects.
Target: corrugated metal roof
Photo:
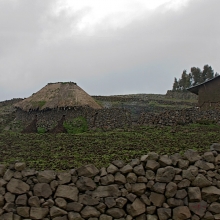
[{"x": 195, "y": 89}]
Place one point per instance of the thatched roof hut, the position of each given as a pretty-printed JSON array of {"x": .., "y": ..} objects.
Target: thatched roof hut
[{"x": 58, "y": 95}]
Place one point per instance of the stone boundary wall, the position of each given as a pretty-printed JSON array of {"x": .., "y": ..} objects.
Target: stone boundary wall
[
  {"x": 141, "y": 100},
  {"x": 106, "y": 119},
  {"x": 181, "y": 95},
  {"x": 180, "y": 117},
  {"x": 152, "y": 187}
]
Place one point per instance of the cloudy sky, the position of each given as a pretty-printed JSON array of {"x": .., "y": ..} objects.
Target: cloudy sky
[{"x": 107, "y": 46}]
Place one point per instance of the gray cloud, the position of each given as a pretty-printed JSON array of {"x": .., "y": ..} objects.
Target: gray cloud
[{"x": 142, "y": 57}]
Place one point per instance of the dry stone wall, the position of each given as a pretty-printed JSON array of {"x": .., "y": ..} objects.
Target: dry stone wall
[
  {"x": 106, "y": 119},
  {"x": 151, "y": 187},
  {"x": 180, "y": 117}
]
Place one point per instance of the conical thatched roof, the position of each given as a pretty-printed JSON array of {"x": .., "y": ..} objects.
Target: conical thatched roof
[{"x": 59, "y": 94}]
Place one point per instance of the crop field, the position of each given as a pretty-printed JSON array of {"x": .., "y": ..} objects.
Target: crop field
[{"x": 66, "y": 151}]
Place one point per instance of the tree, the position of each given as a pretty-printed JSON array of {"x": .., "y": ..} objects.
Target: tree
[{"x": 175, "y": 84}]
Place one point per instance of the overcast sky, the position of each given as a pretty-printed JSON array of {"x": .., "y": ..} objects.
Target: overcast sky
[{"x": 106, "y": 46}]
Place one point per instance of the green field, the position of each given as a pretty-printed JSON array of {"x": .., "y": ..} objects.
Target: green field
[{"x": 65, "y": 151}]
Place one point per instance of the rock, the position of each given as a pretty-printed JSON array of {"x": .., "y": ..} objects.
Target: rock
[
  {"x": 152, "y": 165},
  {"x": 165, "y": 175},
  {"x": 38, "y": 213},
  {"x": 209, "y": 157},
  {"x": 164, "y": 160},
  {"x": 7, "y": 216},
  {"x": 107, "y": 180},
  {"x": 134, "y": 162},
  {"x": 85, "y": 183},
  {"x": 2, "y": 201},
  {"x": 21, "y": 200},
  {"x": 46, "y": 176},
  {"x": 181, "y": 212},
  {"x": 215, "y": 147},
  {"x": 89, "y": 212},
  {"x": 88, "y": 200},
  {"x": 208, "y": 216},
  {"x": 74, "y": 216},
  {"x": 10, "y": 198},
  {"x": 214, "y": 207},
  {"x": 201, "y": 181},
  {"x": 120, "y": 202},
  {"x": 106, "y": 191},
  {"x": 139, "y": 170},
  {"x": 199, "y": 208},
  {"x": 118, "y": 163},
  {"x": 64, "y": 178},
  {"x": 153, "y": 156},
  {"x": 183, "y": 164},
  {"x": 157, "y": 199},
  {"x": 145, "y": 200},
  {"x": 126, "y": 169},
  {"x": 74, "y": 206},
  {"x": 110, "y": 202},
  {"x": 8, "y": 175},
  {"x": 131, "y": 178},
  {"x": 43, "y": 190},
  {"x": 204, "y": 165},
  {"x": 61, "y": 203},
  {"x": 120, "y": 178},
  {"x": 138, "y": 188},
  {"x": 18, "y": 187},
  {"x": 172, "y": 202},
  {"x": 164, "y": 213},
  {"x": 183, "y": 184},
  {"x": 152, "y": 217},
  {"x": 19, "y": 166},
  {"x": 23, "y": 211},
  {"x": 105, "y": 217},
  {"x": 112, "y": 169},
  {"x": 34, "y": 201},
  {"x": 55, "y": 211},
  {"x": 150, "y": 175},
  {"x": 194, "y": 194},
  {"x": 28, "y": 172},
  {"x": 187, "y": 174},
  {"x": 88, "y": 170},
  {"x": 116, "y": 213},
  {"x": 171, "y": 189},
  {"x": 136, "y": 208},
  {"x": 131, "y": 197},
  {"x": 181, "y": 194},
  {"x": 210, "y": 193},
  {"x": 159, "y": 187},
  {"x": 67, "y": 192},
  {"x": 192, "y": 156},
  {"x": 2, "y": 169}
]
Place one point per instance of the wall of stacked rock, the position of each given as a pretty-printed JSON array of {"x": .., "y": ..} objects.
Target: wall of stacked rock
[
  {"x": 184, "y": 116},
  {"x": 151, "y": 187},
  {"x": 101, "y": 118}
]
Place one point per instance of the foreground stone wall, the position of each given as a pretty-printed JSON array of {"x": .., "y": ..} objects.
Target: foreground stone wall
[
  {"x": 106, "y": 119},
  {"x": 181, "y": 117},
  {"x": 152, "y": 187}
]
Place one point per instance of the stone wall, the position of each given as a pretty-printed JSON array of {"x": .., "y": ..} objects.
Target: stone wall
[
  {"x": 101, "y": 118},
  {"x": 152, "y": 187},
  {"x": 181, "y": 117},
  {"x": 181, "y": 95}
]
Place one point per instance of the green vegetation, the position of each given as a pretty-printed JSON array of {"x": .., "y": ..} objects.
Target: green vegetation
[
  {"x": 39, "y": 104},
  {"x": 65, "y": 151},
  {"x": 41, "y": 130},
  {"x": 76, "y": 126}
]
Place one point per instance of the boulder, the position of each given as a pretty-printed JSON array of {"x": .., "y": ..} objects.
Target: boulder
[
  {"x": 181, "y": 212},
  {"x": 43, "y": 190},
  {"x": 38, "y": 213},
  {"x": 17, "y": 186},
  {"x": 116, "y": 213},
  {"x": 199, "y": 208},
  {"x": 136, "y": 208},
  {"x": 165, "y": 175},
  {"x": 46, "y": 176},
  {"x": 67, "y": 192},
  {"x": 85, "y": 183},
  {"x": 88, "y": 170},
  {"x": 90, "y": 212}
]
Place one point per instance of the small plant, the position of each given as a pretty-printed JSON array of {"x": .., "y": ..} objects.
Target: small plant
[
  {"x": 76, "y": 126},
  {"x": 41, "y": 130}
]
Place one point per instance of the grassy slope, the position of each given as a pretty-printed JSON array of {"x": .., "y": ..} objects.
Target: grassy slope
[{"x": 64, "y": 151}]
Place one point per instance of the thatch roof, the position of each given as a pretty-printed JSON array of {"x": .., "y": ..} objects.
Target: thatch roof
[{"x": 59, "y": 95}]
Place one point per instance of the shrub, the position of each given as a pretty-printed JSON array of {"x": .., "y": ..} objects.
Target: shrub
[
  {"x": 41, "y": 130},
  {"x": 76, "y": 126}
]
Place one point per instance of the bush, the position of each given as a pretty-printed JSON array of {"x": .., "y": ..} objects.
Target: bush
[
  {"x": 41, "y": 130},
  {"x": 76, "y": 126}
]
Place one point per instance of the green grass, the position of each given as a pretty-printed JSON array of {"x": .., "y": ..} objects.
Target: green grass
[{"x": 65, "y": 151}]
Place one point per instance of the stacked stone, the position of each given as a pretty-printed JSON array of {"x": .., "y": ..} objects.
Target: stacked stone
[
  {"x": 152, "y": 187},
  {"x": 181, "y": 117}
]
